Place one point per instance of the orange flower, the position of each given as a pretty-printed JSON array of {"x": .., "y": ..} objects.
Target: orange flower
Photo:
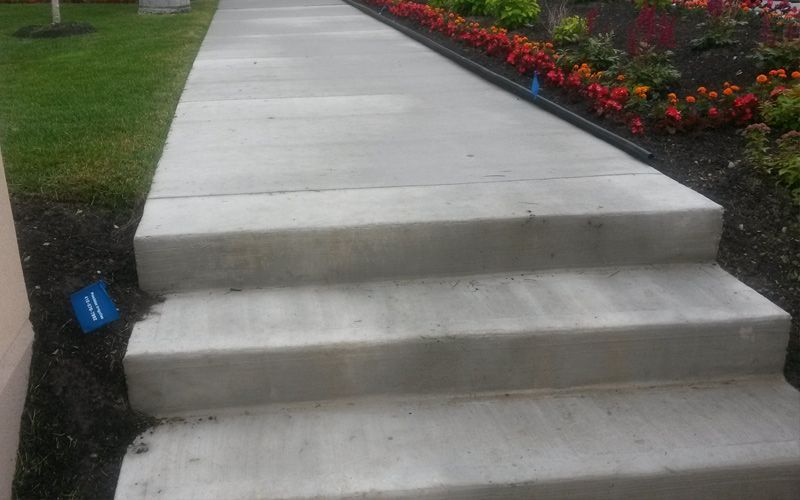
[
  {"x": 773, "y": 72},
  {"x": 712, "y": 95},
  {"x": 672, "y": 97},
  {"x": 762, "y": 79},
  {"x": 781, "y": 73},
  {"x": 690, "y": 99},
  {"x": 728, "y": 91},
  {"x": 726, "y": 84},
  {"x": 795, "y": 74},
  {"x": 735, "y": 88},
  {"x": 702, "y": 90},
  {"x": 641, "y": 91},
  {"x": 620, "y": 78}
]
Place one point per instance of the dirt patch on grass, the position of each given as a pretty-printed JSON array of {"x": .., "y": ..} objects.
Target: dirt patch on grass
[
  {"x": 77, "y": 422},
  {"x": 55, "y": 30}
]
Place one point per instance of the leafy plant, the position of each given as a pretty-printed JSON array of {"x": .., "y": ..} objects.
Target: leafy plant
[
  {"x": 782, "y": 54},
  {"x": 783, "y": 112},
  {"x": 651, "y": 68},
  {"x": 720, "y": 27},
  {"x": 513, "y": 13},
  {"x": 658, "y": 4},
  {"x": 571, "y": 30},
  {"x": 719, "y": 32},
  {"x": 463, "y": 7},
  {"x": 598, "y": 51},
  {"x": 782, "y": 160}
]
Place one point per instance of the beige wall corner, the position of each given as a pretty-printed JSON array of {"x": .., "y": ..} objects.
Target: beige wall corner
[{"x": 16, "y": 337}]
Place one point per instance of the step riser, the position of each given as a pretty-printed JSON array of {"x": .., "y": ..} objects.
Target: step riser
[
  {"x": 356, "y": 254},
  {"x": 779, "y": 482},
  {"x": 494, "y": 362}
]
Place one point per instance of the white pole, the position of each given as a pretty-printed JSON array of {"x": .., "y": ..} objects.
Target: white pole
[{"x": 56, "y": 12}]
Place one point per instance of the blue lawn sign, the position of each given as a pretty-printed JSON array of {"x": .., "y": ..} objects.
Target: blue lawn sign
[
  {"x": 535, "y": 84},
  {"x": 93, "y": 307}
]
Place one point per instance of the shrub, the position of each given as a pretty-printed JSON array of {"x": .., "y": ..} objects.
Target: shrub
[
  {"x": 571, "y": 30},
  {"x": 513, "y": 13}
]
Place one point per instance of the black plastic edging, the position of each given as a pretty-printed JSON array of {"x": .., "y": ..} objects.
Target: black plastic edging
[{"x": 512, "y": 86}]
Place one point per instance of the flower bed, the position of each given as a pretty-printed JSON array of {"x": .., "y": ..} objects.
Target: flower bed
[{"x": 616, "y": 96}]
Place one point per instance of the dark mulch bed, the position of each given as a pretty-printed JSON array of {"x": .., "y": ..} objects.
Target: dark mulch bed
[
  {"x": 77, "y": 423},
  {"x": 55, "y": 30},
  {"x": 761, "y": 238}
]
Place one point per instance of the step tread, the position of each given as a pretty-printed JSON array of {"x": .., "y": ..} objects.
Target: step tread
[
  {"x": 567, "y": 303},
  {"x": 738, "y": 440},
  {"x": 300, "y": 210}
]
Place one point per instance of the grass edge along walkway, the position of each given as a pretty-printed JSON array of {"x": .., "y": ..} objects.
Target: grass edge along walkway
[{"x": 85, "y": 118}]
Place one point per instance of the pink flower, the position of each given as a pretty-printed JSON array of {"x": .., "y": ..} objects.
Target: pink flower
[{"x": 636, "y": 126}]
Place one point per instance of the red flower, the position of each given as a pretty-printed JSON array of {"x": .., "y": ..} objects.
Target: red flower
[
  {"x": 673, "y": 114},
  {"x": 596, "y": 91},
  {"x": 713, "y": 112},
  {"x": 744, "y": 107},
  {"x": 620, "y": 94}
]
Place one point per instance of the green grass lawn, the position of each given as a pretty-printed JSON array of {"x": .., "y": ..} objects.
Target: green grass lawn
[{"x": 84, "y": 118}]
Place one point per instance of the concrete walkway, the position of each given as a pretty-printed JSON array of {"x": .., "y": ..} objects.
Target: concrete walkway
[{"x": 385, "y": 277}]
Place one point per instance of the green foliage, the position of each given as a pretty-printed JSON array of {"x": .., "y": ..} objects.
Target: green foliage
[
  {"x": 782, "y": 159},
  {"x": 571, "y": 29},
  {"x": 463, "y": 7},
  {"x": 598, "y": 51},
  {"x": 658, "y": 4},
  {"x": 783, "y": 54},
  {"x": 719, "y": 32},
  {"x": 651, "y": 68},
  {"x": 513, "y": 13},
  {"x": 783, "y": 113}
]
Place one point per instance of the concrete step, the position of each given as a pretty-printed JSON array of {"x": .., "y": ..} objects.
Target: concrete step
[
  {"x": 731, "y": 441},
  {"x": 215, "y": 349},
  {"x": 353, "y": 235}
]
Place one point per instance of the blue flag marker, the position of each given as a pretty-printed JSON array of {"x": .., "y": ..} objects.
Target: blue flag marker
[
  {"x": 93, "y": 307},
  {"x": 535, "y": 84}
]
